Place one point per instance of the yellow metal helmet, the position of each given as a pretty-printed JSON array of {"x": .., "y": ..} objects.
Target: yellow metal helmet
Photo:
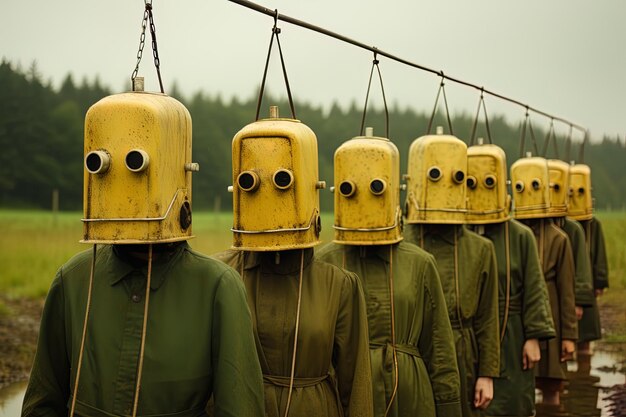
[
  {"x": 367, "y": 191},
  {"x": 137, "y": 178},
  {"x": 559, "y": 187},
  {"x": 531, "y": 188},
  {"x": 487, "y": 198},
  {"x": 436, "y": 187},
  {"x": 581, "y": 201},
  {"x": 276, "y": 186}
]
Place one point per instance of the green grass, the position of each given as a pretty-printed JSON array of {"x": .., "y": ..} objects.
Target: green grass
[{"x": 34, "y": 244}]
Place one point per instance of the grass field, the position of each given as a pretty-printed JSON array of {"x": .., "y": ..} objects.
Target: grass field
[{"x": 33, "y": 244}]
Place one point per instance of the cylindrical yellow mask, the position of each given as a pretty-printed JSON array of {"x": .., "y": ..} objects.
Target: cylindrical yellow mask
[
  {"x": 581, "y": 202},
  {"x": 137, "y": 177},
  {"x": 487, "y": 197},
  {"x": 436, "y": 189},
  {"x": 559, "y": 187},
  {"x": 275, "y": 186},
  {"x": 367, "y": 192},
  {"x": 531, "y": 188}
]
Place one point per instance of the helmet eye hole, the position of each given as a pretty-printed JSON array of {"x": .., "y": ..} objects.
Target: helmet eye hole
[
  {"x": 377, "y": 186},
  {"x": 347, "y": 188},
  {"x": 536, "y": 184},
  {"x": 490, "y": 181},
  {"x": 458, "y": 176},
  {"x": 471, "y": 181},
  {"x": 97, "y": 162},
  {"x": 434, "y": 174},
  {"x": 248, "y": 181},
  {"x": 137, "y": 160},
  {"x": 519, "y": 186},
  {"x": 557, "y": 187},
  {"x": 283, "y": 179},
  {"x": 581, "y": 190}
]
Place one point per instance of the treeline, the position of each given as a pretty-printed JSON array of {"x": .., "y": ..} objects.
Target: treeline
[{"x": 41, "y": 140}]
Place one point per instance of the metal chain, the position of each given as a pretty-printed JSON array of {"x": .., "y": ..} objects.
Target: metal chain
[{"x": 148, "y": 17}]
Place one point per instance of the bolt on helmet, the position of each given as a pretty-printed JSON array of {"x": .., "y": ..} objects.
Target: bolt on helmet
[
  {"x": 137, "y": 178},
  {"x": 531, "y": 188},
  {"x": 436, "y": 189},
  {"x": 275, "y": 186},
  {"x": 367, "y": 191},
  {"x": 581, "y": 202},
  {"x": 559, "y": 187},
  {"x": 487, "y": 198}
]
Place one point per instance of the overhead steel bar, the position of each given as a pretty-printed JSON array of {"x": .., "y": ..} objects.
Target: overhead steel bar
[{"x": 440, "y": 73}]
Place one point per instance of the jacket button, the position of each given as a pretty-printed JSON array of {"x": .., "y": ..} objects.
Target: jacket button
[{"x": 136, "y": 298}]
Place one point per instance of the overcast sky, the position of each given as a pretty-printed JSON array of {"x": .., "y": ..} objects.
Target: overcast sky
[{"x": 565, "y": 57}]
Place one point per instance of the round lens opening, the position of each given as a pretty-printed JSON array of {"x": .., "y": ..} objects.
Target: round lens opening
[
  {"x": 377, "y": 186},
  {"x": 519, "y": 186},
  {"x": 283, "y": 179},
  {"x": 137, "y": 160},
  {"x": 581, "y": 190},
  {"x": 347, "y": 188},
  {"x": 459, "y": 176},
  {"x": 434, "y": 174},
  {"x": 557, "y": 187},
  {"x": 248, "y": 181},
  {"x": 490, "y": 181},
  {"x": 97, "y": 162},
  {"x": 471, "y": 182},
  {"x": 536, "y": 184}
]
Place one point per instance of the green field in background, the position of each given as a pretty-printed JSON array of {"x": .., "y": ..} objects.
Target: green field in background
[{"x": 33, "y": 244}]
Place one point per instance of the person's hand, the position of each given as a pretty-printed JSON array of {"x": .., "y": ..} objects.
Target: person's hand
[
  {"x": 483, "y": 392},
  {"x": 599, "y": 292},
  {"x": 579, "y": 312},
  {"x": 567, "y": 350},
  {"x": 531, "y": 354}
]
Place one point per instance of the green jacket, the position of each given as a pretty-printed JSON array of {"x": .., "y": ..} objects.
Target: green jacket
[
  {"x": 583, "y": 281},
  {"x": 332, "y": 374},
  {"x": 428, "y": 378},
  {"x": 526, "y": 311},
  {"x": 199, "y": 339},
  {"x": 557, "y": 261},
  {"x": 589, "y": 327},
  {"x": 471, "y": 293}
]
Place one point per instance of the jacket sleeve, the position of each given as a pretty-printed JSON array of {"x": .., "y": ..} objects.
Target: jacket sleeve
[
  {"x": 436, "y": 346},
  {"x": 237, "y": 379},
  {"x": 48, "y": 389},
  {"x": 564, "y": 277},
  {"x": 536, "y": 310},
  {"x": 351, "y": 351},
  {"x": 600, "y": 264},
  {"x": 486, "y": 321},
  {"x": 583, "y": 280}
]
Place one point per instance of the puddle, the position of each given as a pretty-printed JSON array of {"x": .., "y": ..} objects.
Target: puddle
[
  {"x": 588, "y": 388},
  {"x": 11, "y": 399}
]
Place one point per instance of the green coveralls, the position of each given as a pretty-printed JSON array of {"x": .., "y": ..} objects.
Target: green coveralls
[
  {"x": 471, "y": 293},
  {"x": 199, "y": 339},
  {"x": 557, "y": 261},
  {"x": 526, "y": 312},
  {"x": 428, "y": 378},
  {"x": 589, "y": 326},
  {"x": 332, "y": 368},
  {"x": 583, "y": 281}
]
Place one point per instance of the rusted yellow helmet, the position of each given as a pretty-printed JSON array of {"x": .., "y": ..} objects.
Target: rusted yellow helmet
[
  {"x": 137, "y": 178},
  {"x": 367, "y": 191},
  {"x": 276, "y": 186},
  {"x": 487, "y": 198},
  {"x": 531, "y": 188},
  {"x": 559, "y": 187},
  {"x": 436, "y": 189},
  {"x": 581, "y": 202}
]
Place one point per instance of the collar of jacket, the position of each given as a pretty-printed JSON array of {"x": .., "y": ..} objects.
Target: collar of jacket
[
  {"x": 444, "y": 231},
  {"x": 118, "y": 264},
  {"x": 367, "y": 251},
  {"x": 288, "y": 260}
]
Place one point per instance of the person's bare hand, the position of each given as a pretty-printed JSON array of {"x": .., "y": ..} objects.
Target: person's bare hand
[
  {"x": 531, "y": 354},
  {"x": 579, "y": 312},
  {"x": 567, "y": 350},
  {"x": 483, "y": 392}
]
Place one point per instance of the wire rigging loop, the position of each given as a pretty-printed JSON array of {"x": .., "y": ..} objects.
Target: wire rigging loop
[
  {"x": 568, "y": 144},
  {"x": 550, "y": 137},
  {"x": 581, "y": 150},
  {"x": 382, "y": 89},
  {"x": 148, "y": 17},
  {"x": 527, "y": 125},
  {"x": 275, "y": 33},
  {"x": 481, "y": 104},
  {"x": 445, "y": 100}
]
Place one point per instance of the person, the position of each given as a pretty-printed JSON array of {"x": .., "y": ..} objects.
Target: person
[
  {"x": 142, "y": 325},
  {"x": 559, "y": 202},
  {"x": 531, "y": 181},
  {"x": 414, "y": 369},
  {"x": 466, "y": 262},
  {"x": 581, "y": 210},
  {"x": 524, "y": 310},
  {"x": 310, "y": 321}
]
